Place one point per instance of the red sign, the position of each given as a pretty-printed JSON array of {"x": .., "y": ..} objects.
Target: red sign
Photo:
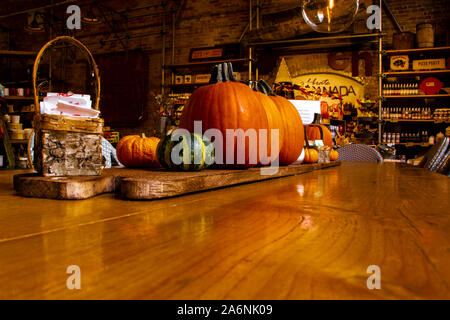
[
  {"x": 431, "y": 85},
  {"x": 207, "y": 53}
]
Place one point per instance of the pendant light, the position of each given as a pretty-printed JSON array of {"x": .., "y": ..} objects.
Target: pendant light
[
  {"x": 90, "y": 17},
  {"x": 329, "y": 16}
]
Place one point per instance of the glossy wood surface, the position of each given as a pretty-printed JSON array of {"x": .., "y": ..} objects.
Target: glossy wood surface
[{"x": 310, "y": 236}]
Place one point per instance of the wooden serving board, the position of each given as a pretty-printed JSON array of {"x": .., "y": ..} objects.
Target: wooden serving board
[{"x": 146, "y": 184}]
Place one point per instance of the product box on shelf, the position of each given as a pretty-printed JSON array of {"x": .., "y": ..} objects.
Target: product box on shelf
[
  {"x": 399, "y": 63},
  {"x": 188, "y": 79},
  {"x": 202, "y": 78},
  {"x": 179, "y": 79},
  {"x": 429, "y": 64}
]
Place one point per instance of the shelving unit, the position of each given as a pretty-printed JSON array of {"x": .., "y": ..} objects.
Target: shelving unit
[
  {"x": 11, "y": 147},
  {"x": 325, "y": 43},
  {"x": 419, "y": 101}
]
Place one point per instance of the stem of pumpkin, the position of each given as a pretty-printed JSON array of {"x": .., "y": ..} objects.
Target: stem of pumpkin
[
  {"x": 222, "y": 72},
  {"x": 226, "y": 75},
  {"x": 267, "y": 88},
  {"x": 260, "y": 88},
  {"x": 230, "y": 72},
  {"x": 143, "y": 135}
]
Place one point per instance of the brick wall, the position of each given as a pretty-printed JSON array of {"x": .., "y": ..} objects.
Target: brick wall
[{"x": 205, "y": 23}]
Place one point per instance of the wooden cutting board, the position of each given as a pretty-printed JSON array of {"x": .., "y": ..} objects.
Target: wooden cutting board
[{"x": 146, "y": 184}]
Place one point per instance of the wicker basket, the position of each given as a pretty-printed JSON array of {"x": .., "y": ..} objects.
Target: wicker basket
[{"x": 64, "y": 145}]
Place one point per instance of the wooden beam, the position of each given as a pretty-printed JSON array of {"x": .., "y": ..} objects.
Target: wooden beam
[{"x": 17, "y": 53}]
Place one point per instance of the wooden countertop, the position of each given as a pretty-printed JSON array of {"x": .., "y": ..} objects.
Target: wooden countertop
[{"x": 310, "y": 236}]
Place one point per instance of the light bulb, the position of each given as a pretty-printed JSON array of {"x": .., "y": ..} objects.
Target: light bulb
[{"x": 329, "y": 16}]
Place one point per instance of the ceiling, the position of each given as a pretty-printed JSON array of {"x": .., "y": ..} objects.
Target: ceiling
[
  {"x": 14, "y": 13},
  {"x": 118, "y": 19}
]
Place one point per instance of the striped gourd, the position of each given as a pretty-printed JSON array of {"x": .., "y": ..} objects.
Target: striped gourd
[{"x": 200, "y": 152}]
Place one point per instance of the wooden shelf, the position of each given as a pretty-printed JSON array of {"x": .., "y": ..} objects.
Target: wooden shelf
[
  {"x": 415, "y": 73},
  {"x": 21, "y": 112},
  {"x": 16, "y": 82},
  {"x": 413, "y": 144},
  {"x": 205, "y": 63},
  {"x": 17, "y": 53},
  {"x": 418, "y": 96},
  {"x": 407, "y": 120},
  {"x": 13, "y": 141},
  {"x": 362, "y": 37},
  {"x": 188, "y": 86},
  {"x": 19, "y": 98},
  {"x": 417, "y": 51},
  {"x": 367, "y": 119}
]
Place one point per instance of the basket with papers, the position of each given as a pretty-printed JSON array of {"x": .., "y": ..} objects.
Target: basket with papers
[{"x": 68, "y": 129}]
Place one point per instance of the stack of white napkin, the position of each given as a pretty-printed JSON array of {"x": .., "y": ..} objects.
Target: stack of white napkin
[{"x": 75, "y": 105}]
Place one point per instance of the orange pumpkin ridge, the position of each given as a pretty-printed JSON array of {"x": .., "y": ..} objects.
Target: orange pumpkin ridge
[
  {"x": 274, "y": 119},
  {"x": 292, "y": 127}
]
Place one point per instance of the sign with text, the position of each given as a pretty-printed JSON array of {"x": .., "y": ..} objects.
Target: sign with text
[
  {"x": 429, "y": 64},
  {"x": 334, "y": 84},
  {"x": 206, "y": 54}
]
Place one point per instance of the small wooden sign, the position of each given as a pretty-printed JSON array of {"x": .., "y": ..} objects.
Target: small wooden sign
[
  {"x": 429, "y": 64},
  {"x": 206, "y": 54}
]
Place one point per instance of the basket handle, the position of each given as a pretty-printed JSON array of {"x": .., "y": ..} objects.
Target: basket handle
[{"x": 80, "y": 46}]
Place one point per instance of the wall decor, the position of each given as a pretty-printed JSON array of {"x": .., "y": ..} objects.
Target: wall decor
[{"x": 340, "y": 61}]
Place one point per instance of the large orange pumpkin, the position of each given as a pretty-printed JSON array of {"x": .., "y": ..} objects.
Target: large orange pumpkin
[
  {"x": 227, "y": 104},
  {"x": 292, "y": 127},
  {"x": 138, "y": 151},
  {"x": 319, "y": 132}
]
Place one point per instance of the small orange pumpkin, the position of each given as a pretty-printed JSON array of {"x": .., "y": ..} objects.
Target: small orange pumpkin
[
  {"x": 334, "y": 155},
  {"x": 319, "y": 132},
  {"x": 138, "y": 151},
  {"x": 311, "y": 155}
]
